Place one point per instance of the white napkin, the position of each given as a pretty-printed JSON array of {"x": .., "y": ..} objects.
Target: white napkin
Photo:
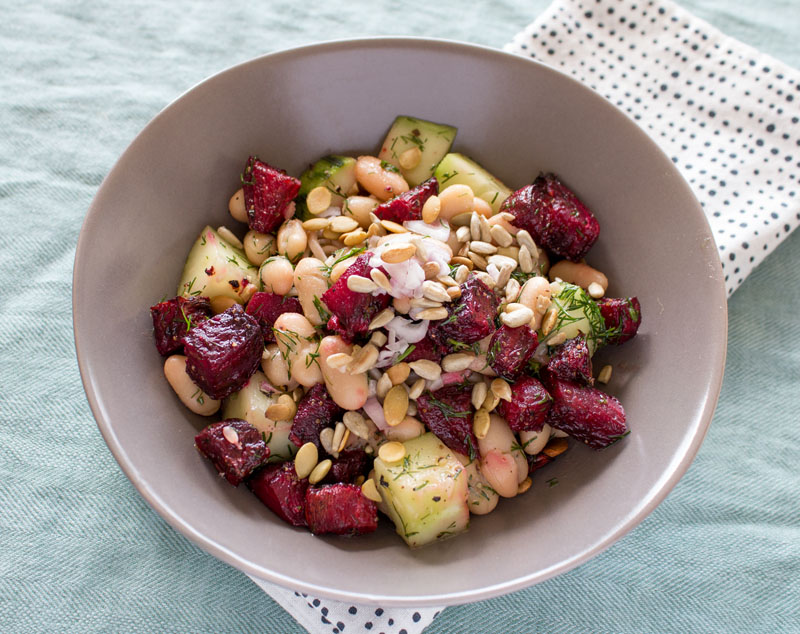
[
  {"x": 327, "y": 616},
  {"x": 727, "y": 115}
]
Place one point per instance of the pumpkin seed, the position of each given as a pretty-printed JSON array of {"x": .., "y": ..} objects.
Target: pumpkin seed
[
  {"x": 320, "y": 471},
  {"x": 305, "y": 460},
  {"x": 370, "y": 491},
  {"x": 502, "y": 389},
  {"x": 392, "y": 451},
  {"x": 431, "y": 210},
  {"x": 481, "y": 423},
  {"x": 399, "y": 253},
  {"x": 398, "y": 373},
  {"x": 395, "y": 405}
]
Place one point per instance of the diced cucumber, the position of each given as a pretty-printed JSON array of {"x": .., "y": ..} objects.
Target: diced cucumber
[
  {"x": 251, "y": 404},
  {"x": 577, "y": 313},
  {"x": 337, "y": 173},
  {"x": 433, "y": 140},
  {"x": 458, "y": 169},
  {"x": 425, "y": 493},
  {"x": 216, "y": 268}
]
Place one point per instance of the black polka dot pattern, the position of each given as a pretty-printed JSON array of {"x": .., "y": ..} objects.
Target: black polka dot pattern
[
  {"x": 325, "y": 616},
  {"x": 727, "y": 115}
]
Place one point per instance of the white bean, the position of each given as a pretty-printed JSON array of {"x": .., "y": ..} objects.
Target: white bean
[
  {"x": 456, "y": 199},
  {"x": 534, "y": 441},
  {"x": 402, "y": 305},
  {"x": 482, "y": 498},
  {"x": 536, "y": 294},
  {"x": 190, "y": 395},
  {"x": 381, "y": 183},
  {"x": 292, "y": 239},
  {"x": 579, "y": 274},
  {"x": 500, "y": 221},
  {"x": 258, "y": 246},
  {"x": 498, "y": 463},
  {"x": 277, "y": 275},
  {"x": 349, "y": 391},
  {"x": 408, "y": 428},
  {"x": 482, "y": 207},
  {"x": 237, "y": 207},
  {"x": 311, "y": 282},
  {"x": 298, "y": 344},
  {"x": 275, "y": 367},
  {"x": 359, "y": 208}
]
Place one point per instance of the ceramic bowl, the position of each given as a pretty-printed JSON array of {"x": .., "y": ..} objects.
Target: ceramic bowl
[{"x": 515, "y": 116}]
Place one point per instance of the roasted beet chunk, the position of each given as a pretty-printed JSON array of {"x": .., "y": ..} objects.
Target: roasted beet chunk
[
  {"x": 447, "y": 412},
  {"x": 173, "y": 318},
  {"x": 266, "y": 307},
  {"x": 585, "y": 413},
  {"x": 408, "y": 205},
  {"x": 267, "y": 194},
  {"x": 554, "y": 216},
  {"x": 234, "y": 447},
  {"x": 510, "y": 350},
  {"x": 279, "y": 488},
  {"x": 425, "y": 349},
  {"x": 622, "y": 316},
  {"x": 315, "y": 411},
  {"x": 353, "y": 311},
  {"x": 572, "y": 361},
  {"x": 340, "y": 509},
  {"x": 347, "y": 467},
  {"x": 223, "y": 352},
  {"x": 470, "y": 318},
  {"x": 527, "y": 410}
]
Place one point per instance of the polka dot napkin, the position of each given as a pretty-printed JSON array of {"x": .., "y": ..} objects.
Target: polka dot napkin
[
  {"x": 727, "y": 115},
  {"x": 326, "y": 616}
]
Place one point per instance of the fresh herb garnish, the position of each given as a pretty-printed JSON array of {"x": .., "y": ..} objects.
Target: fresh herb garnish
[
  {"x": 447, "y": 176},
  {"x": 186, "y": 320},
  {"x": 348, "y": 254},
  {"x": 405, "y": 353},
  {"x": 324, "y": 313},
  {"x": 388, "y": 167}
]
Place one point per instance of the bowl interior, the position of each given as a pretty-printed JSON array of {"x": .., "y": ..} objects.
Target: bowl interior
[{"x": 516, "y": 117}]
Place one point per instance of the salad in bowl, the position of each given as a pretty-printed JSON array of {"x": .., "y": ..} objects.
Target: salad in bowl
[{"x": 397, "y": 333}]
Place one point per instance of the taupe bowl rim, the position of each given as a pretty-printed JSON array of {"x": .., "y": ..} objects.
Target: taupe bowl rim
[{"x": 657, "y": 493}]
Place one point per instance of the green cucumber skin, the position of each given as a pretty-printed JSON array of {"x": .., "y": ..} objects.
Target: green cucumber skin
[
  {"x": 212, "y": 264},
  {"x": 457, "y": 169},
  {"x": 337, "y": 173},
  {"x": 433, "y": 139}
]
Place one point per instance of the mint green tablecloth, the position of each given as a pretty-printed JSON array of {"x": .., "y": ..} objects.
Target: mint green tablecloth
[{"x": 81, "y": 551}]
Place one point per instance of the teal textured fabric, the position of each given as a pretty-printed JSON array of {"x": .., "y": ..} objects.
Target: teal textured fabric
[{"x": 81, "y": 551}]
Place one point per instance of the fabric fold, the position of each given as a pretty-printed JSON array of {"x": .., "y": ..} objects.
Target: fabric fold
[{"x": 727, "y": 115}]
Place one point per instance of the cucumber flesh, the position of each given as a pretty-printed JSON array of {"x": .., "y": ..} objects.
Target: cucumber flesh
[
  {"x": 337, "y": 173},
  {"x": 251, "y": 404},
  {"x": 216, "y": 268},
  {"x": 434, "y": 140},
  {"x": 458, "y": 169},
  {"x": 425, "y": 494}
]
